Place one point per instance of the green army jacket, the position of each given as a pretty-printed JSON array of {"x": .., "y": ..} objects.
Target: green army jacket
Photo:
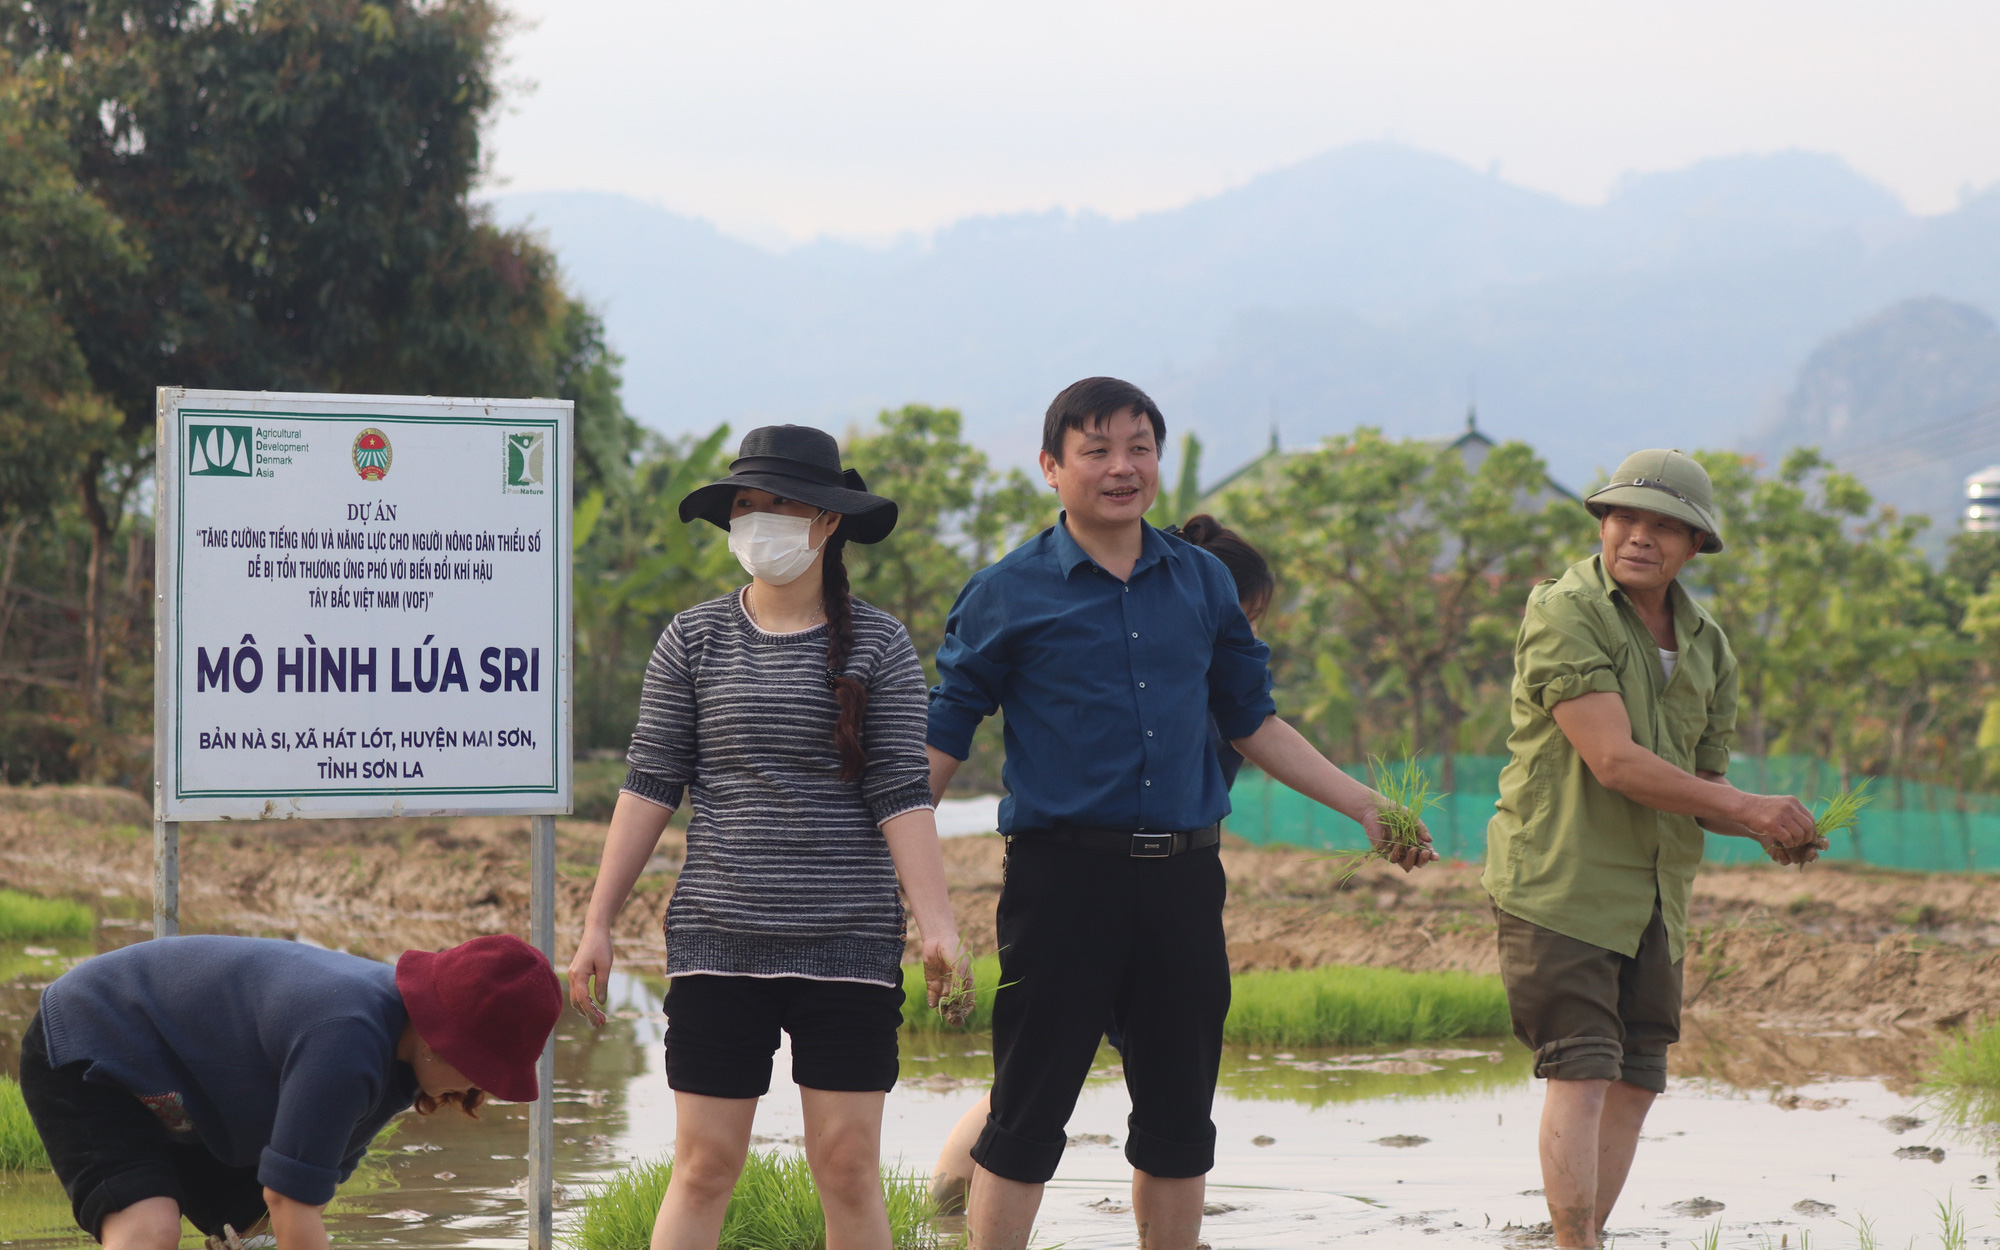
[{"x": 1561, "y": 850}]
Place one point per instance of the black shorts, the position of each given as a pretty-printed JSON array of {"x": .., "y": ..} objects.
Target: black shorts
[
  {"x": 1089, "y": 937},
  {"x": 723, "y": 1030},
  {"x": 109, "y": 1151}
]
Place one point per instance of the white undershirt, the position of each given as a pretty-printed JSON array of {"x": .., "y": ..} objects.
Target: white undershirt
[{"x": 1667, "y": 661}]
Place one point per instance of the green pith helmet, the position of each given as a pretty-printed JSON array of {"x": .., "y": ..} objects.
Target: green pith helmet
[{"x": 1668, "y": 482}]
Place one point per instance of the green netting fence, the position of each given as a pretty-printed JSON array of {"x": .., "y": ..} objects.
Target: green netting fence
[{"x": 1910, "y": 824}]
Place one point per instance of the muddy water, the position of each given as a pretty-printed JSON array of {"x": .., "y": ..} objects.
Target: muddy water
[{"x": 1426, "y": 1146}]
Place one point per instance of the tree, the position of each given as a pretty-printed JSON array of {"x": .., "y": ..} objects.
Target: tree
[
  {"x": 955, "y": 515},
  {"x": 1404, "y": 574}
]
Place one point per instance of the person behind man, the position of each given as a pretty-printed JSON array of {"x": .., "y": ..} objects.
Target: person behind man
[
  {"x": 224, "y": 1078},
  {"x": 1624, "y": 711},
  {"x": 1109, "y": 645}
]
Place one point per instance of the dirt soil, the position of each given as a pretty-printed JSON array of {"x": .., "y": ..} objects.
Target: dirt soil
[{"x": 1832, "y": 948}]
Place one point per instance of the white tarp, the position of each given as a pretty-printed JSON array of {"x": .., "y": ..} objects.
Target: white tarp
[{"x": 363, "y": 605}]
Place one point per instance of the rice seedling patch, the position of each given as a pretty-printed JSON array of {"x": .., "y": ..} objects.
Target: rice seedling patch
[
  {"x": 20, "y": 1146},
  {"x": 24, "y": 916}
]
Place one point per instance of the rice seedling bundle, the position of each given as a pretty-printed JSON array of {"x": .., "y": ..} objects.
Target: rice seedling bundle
[
  {"x": 1406, "y": 795},
  {"x": 1841, "y": 811},
  {"x": 973, "y": 1011},
  {"x": 1348, "y": 1006},
  {"x": 25, "y": 916},
  {"x": 21, "y": 1148},
  {"x": 775, "y": 1207}
]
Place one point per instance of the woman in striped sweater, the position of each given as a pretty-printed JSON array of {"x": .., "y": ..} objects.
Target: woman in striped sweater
[{"x": 793, "y": 717}]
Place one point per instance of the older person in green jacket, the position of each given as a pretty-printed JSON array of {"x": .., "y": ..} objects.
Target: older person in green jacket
[{"x": 1624, "y": 712}]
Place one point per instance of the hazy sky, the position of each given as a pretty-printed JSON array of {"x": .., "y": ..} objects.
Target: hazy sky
[{"x": 864, "y": 118}]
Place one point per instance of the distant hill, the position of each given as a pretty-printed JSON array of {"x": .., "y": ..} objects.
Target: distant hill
[
  {"x": 1908, "y": 401},
  {"x": 1373, "y": 284}
]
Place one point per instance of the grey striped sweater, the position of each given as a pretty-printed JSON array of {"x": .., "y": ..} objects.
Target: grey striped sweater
[{"x": 787, "y": 872}]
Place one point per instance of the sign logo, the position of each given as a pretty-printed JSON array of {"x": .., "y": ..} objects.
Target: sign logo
[
  {"x": 218, "y": 451},
  {"x": 526, "y": 467},
  {"x": 372, "y": 454}
]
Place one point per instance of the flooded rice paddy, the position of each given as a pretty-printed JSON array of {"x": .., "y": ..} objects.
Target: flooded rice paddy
[{"x": 1423, "y": 1146}]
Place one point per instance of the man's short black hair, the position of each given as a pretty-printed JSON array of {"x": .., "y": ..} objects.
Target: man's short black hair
[{"x": 1088, "y": 404}]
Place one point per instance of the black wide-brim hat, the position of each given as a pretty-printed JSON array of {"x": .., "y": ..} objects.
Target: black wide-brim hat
[{"x": 802, "y": 463}]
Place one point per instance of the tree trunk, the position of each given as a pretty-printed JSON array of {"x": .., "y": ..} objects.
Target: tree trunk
[{"x": 90, "y": 673}]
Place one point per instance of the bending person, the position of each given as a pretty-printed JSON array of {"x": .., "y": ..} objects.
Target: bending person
[
  {"x": 1109, "y": 645},
  {"x": 1624, "y": 711},
  {"x": 793, "y": 715},
  {"x": 1250, "y": 574},
  {"x": 233, "y": 1080}
]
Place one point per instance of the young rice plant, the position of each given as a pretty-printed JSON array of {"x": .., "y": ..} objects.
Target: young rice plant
[
  {"x": 25, "y": 916},
  {"x": 1841, "y": 811},
  {"x": 775, "y": 1207},
  {"x": 1344, "y": 1006},
  {"x": 21, "y": 1147},
  {"x": 1406, "y": 792}
]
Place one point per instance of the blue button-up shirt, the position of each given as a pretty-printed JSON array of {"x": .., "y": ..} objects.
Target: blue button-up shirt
[{"x": 1107, "y": 686}]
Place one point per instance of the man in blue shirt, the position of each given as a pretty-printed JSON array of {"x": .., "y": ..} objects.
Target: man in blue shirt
[{"x": 1108, "y": 646}]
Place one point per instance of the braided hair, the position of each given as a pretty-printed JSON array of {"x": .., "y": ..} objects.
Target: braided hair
[{"x": 847, "y": 691}]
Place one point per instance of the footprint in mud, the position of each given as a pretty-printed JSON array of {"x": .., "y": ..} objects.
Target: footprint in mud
[
  {"x": 1262, "y": 1139},
  {"x": 1900, "y": 1124},
  {"x": 1699, "y": 1208},
  {"x": 1402, "y": 1141},
  {"x": 1810, "y": 1206},
  {"x": 1933, "y": 1153},
  {"x": 1110, "y": 1206},
  {"x": 1217, "y": 1208},
  {"x": 1092, "y": 1139}
]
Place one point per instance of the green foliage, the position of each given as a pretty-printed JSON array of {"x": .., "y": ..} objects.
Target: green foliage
[
  {"x": 21, "y": 1148},
  {"x": 25, "y": 916},
  {"x": 775, "y": 1207},
  {"x": 1345, "y": 1006},
  {"x": 1841, "y": 810},
  {"x": 1403, "y": 566}
]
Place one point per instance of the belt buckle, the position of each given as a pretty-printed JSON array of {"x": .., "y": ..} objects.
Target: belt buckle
[{"x": 1152, "y": 846}]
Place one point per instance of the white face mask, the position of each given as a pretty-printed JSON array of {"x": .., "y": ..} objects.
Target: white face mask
[{"x": 773, "y": 547}]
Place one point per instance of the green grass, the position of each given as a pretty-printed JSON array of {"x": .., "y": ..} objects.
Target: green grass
[
  {"x": 1964, "y": 1075},
  {"x": 1335, "y": 1006},
  {"x": 25, "y": 916},
  {"x": 1343, "y": 1006},
  {"x": 775, "y": 1207},
  {"x": 20, "y": 1145}
]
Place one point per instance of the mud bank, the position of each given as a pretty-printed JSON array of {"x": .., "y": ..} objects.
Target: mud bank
[{"x": 1833, "y": 947}]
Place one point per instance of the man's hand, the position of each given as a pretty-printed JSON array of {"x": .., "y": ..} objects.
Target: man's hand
[
  {"x": 593, "y": 961},
  {"x": 1402, "y": 854},
  {"x": 1791, "y": 856},
  {"x": 1777, "y": 818}
]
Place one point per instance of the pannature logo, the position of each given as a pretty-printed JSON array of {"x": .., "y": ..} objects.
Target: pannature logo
[{"x": 526, "y": 466}]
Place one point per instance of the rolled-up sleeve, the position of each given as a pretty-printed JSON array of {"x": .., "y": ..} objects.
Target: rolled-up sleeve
[
  {"x": 331, "y": 1080},
  {"x": 1562, "y": 654},
  {"x": 1239, "y": 676},
  {"x": 898, "y": 776},
  {"x": 971, "y": 670},
  {"x": 1711, "y": 754},
  {"x": 663, "y": 753}
]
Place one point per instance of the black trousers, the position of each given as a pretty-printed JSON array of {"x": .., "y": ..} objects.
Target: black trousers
[
  {"x": 109, "y": 1151},
  {"x": 1088, "y": 935}
]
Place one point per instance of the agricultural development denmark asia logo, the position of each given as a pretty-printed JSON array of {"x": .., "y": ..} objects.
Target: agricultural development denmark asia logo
[
  {"x": 372, "y": 454},
  {"x": 218, "y": 451},
  {"x": 525, "y": 468}
]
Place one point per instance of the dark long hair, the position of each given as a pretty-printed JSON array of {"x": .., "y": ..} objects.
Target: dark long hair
[
  {"x": 848, "y": 692},
  {"x": 1255, "y": 583}
]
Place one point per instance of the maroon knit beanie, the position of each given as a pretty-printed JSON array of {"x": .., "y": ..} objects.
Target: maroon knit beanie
[{"x": 486, "y": 1007}]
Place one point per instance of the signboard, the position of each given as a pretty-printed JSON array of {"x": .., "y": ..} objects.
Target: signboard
[{"x": 363, "y": 606}]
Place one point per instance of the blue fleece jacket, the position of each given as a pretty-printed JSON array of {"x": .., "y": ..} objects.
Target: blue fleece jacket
[{"x": 275, "y": 1054}]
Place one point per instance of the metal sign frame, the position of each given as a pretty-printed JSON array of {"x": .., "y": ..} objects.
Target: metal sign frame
[{"x": 173, "y": 404}]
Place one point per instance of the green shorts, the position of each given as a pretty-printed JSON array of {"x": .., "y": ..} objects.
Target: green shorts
[{"x": 1588, "y": 1013}]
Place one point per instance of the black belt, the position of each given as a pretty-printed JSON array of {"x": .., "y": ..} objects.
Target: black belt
[{"x": 1142, "y": 844}]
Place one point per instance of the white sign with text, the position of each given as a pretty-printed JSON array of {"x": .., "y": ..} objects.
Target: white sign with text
[{"x": 363, "y": 606}]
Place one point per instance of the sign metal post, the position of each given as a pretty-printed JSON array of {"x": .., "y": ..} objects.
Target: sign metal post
[{"x": 363, "y": 610}]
